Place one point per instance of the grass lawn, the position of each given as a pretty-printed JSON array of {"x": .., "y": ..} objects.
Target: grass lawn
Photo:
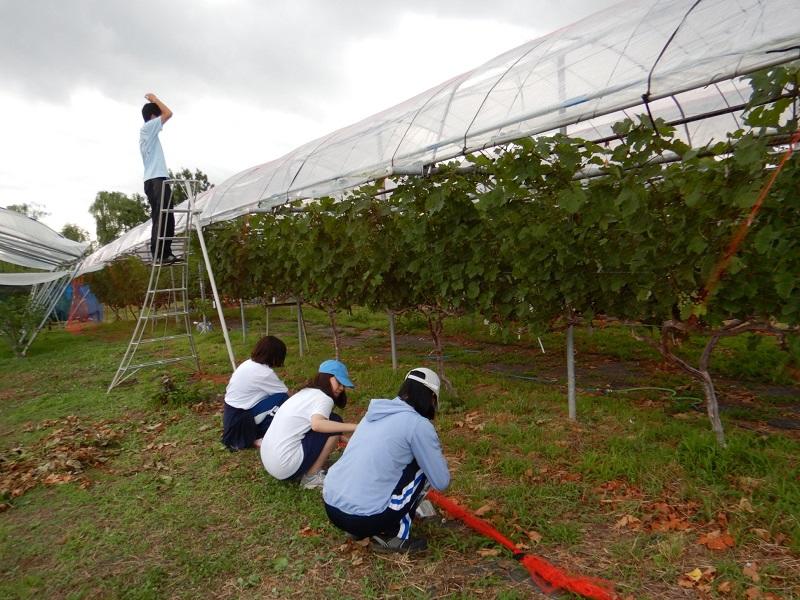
[{"x": 131, "y": 495}]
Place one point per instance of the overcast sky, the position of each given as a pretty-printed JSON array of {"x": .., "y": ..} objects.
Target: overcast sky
[{"x": 248, "y": 80}]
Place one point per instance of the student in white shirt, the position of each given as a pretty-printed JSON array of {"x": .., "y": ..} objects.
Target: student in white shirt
[
  {"x": 304, "y": 432},
  {"x": 253, "y": 395}
]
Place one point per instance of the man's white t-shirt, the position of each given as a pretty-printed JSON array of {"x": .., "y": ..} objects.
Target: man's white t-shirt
[
  {"x": 150, "y": 148},
  {"x": 281, "y": 450},
  {"x": 250, "y": 383}
]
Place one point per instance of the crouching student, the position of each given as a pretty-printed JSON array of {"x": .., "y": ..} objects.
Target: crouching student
[
  {"x": 304, "y": 432},
  {"x": 253, "y": 395},
  {"x": 373, "y": 490}
]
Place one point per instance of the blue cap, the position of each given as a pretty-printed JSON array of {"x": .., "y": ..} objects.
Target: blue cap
[{"x": 338, "y": 370}]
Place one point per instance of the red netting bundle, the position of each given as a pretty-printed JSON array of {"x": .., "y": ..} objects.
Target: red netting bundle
[{"x": 547, "y": 576}]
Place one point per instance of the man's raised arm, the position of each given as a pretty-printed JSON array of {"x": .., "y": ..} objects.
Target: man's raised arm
[{"x": 166, "y": 113}]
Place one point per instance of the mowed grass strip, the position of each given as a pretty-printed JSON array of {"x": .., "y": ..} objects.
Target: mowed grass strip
[{"x": 626, "y": 493}]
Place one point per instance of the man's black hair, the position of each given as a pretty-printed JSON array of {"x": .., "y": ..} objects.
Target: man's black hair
[
  {"x": 418, "y": 396},
  {"x": 150, "y": 110},
  {"x": 269, "y": 351}
]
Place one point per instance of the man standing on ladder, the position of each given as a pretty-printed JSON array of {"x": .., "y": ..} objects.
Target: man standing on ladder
[{"x": 155, "y": 114}]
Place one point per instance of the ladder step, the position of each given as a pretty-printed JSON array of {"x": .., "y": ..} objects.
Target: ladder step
[
  {"x": 166, "y": 314},
  {"x": 162, "y": 339},
  {"x": 163, "y": 361},
  {"x": 159, "y": 290},
  {"x": 174, "y": 237},
  {"x": 180, "y": 210},
  {"x": 177, "y": 263}
]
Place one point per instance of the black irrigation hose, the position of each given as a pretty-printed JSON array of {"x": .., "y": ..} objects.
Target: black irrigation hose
[
  {"x": 673, "y": 393},
  {"x": 696, "y": 404}
]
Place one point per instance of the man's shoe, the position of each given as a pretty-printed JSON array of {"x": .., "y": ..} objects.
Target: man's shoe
[
  {"x": 383, "y": 543},
  {"x": 425, "y": 510},
  {"x": 310, "y": 482}
]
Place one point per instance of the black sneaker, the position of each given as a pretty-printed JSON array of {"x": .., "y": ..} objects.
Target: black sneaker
[
  {"x": 384, "y": 543},
  {"x": 170, "y": 259}
]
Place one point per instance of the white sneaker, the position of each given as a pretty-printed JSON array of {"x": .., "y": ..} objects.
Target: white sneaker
[
  {"x": 311, "y": 482},
  {"x": 425, "y": 509}
]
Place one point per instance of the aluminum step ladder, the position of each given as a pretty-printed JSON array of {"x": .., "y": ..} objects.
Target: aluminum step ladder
[{"x": 163, "y": 332}]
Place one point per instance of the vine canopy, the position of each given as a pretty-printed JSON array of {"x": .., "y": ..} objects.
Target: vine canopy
[{"x": 679, "y": 59}]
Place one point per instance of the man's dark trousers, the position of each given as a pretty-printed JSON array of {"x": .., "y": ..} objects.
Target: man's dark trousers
[{"x": 153, "y": 190}]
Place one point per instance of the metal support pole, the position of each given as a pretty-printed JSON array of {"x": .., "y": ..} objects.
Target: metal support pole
[
  {"x": 305, "y": 331},
  {"x": 202, "y": 294},
  {"x": 299, "y": 329},
  {"x": 266, "y": 321},
  {"x": 244, "y": 324},
  {"x": 571, "y": 372},
  {"x": 213, "y": 284},
  {"x": 393, "y": 340},
  {"x": 50, "y": 306},
  {"x": 562, "y": 94}
]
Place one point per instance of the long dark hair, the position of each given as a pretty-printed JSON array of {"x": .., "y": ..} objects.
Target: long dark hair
[
  {"x": 418, "y": 396},
  {"x": 269, "y": 351},
  {"x": 322, "y": 382}
]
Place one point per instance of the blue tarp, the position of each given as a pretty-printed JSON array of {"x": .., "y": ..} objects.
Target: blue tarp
[{"x": 84, "y": 308}]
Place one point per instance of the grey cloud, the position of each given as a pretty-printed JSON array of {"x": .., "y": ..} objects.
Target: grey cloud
[{"x": 283, "y": 54}]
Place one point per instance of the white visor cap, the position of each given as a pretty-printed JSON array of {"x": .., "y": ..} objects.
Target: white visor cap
[{"x": 429, "y": 378}]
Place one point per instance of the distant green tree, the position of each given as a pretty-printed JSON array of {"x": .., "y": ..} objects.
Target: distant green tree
[
  {"x": 121, "y": 285},
  {"x": 115, "y": 213},
  {"x": 34, "y": 210},
  {"x": 17, "y": 318},
  {"x": 75, "y": 233},
  {"x": 178, "y": 192}
]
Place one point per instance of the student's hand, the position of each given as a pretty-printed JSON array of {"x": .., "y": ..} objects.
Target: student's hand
[{"x": 150, "y": 97}]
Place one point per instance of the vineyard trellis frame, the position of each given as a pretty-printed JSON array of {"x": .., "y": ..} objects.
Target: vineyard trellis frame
[
  {"x": 680, "y": 91},
  {"x": 29, "y": 244}
]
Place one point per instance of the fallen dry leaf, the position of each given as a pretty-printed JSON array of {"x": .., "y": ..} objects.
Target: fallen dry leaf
[
  {"x": 695, "y": 574},
  {"x": 627, "y": 521},
  {"x": 762, "y": 533},
  {"x": 750, "y": 570},
  {"x": 722, "y": 520},
  {"x": 489, "y": 552},
  {"x": 744, "y": 504},
  {"x": 670, "y": 524},
  {"x": 753, "y": 593},
  {"x": 308, "y": 532},
  {"x": 534, "y": 536},
  {"x": 725, "y": 587},
  {"x": 716, "y": 540},
  {"x": 748, "y": 484},
  {"x": 686, "y": 582},
  {"x": 486, "y": 508}
]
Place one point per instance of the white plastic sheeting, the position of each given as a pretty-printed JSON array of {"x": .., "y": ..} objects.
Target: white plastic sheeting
[
  {"x": 30, "y": 279},
  {"x": 28, "y": 243},
  {"x": 683, "y": 56}
]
